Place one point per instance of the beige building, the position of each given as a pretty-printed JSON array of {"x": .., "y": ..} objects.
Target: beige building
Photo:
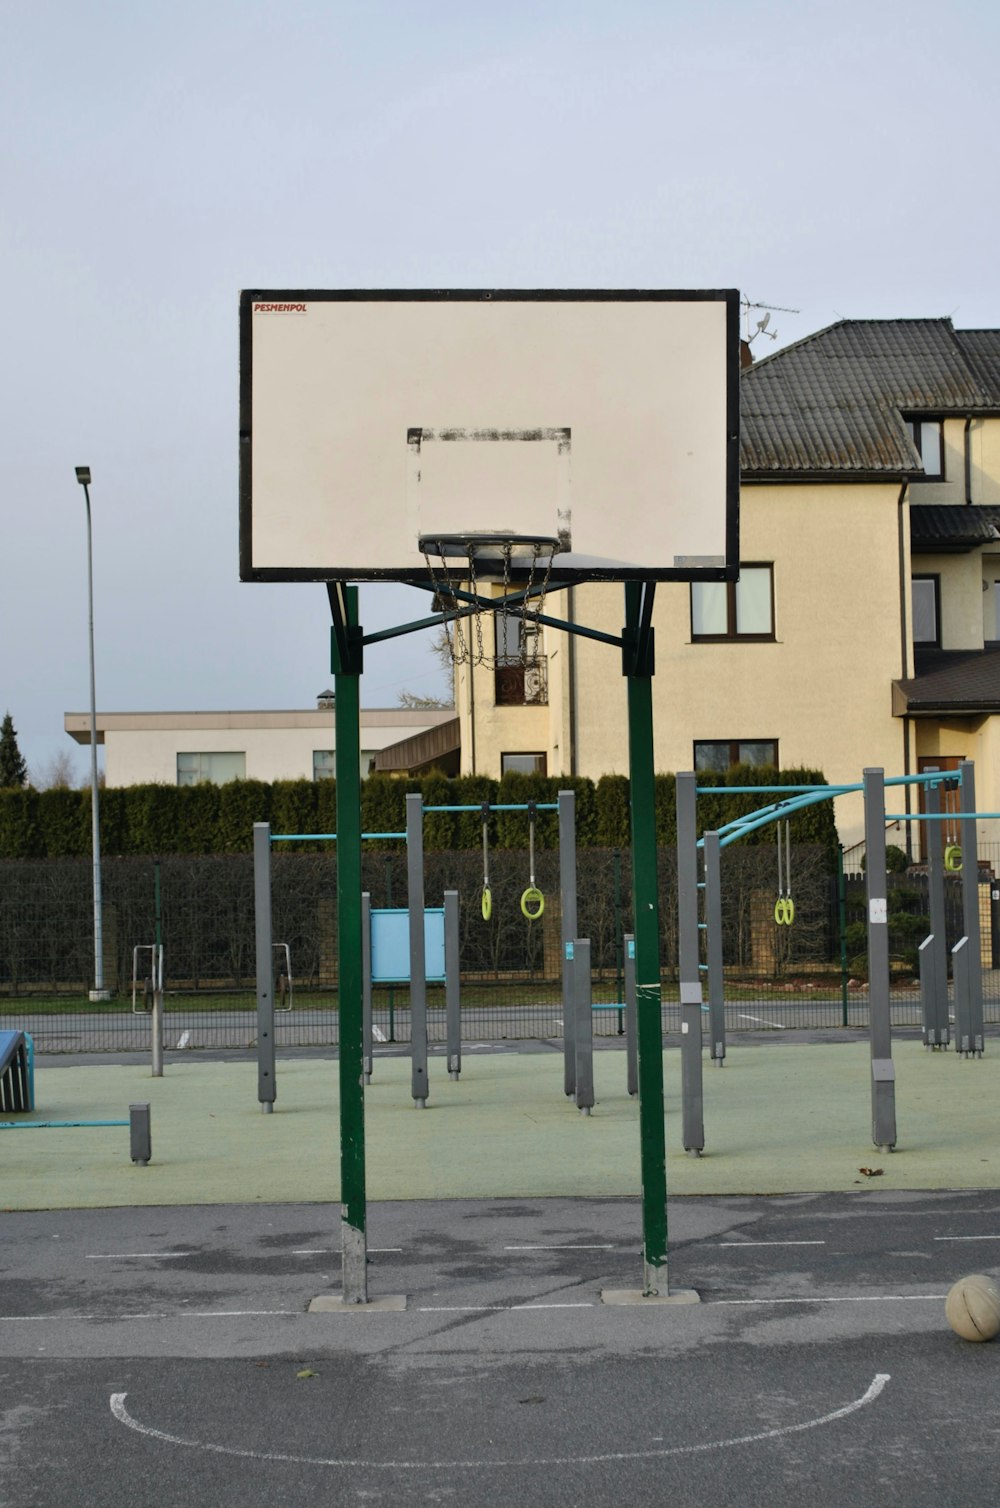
[
  {"x": 865, "y": 628},
  {"x": 185, "y": 748}
]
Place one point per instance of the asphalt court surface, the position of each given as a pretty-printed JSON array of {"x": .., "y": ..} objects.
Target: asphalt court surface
[{"x": 165, "y": 1356}]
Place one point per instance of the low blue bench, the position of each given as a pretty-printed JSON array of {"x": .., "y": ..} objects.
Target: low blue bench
[{"x": 17, "y": 1071}]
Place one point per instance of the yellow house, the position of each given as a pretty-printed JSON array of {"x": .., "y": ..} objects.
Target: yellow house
[{"x": 865, "y": 627}]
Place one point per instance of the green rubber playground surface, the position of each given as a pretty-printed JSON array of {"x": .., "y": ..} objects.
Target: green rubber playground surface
[{"x": 781, "y": 1118}]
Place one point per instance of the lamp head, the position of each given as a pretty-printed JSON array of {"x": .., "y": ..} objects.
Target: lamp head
[{"x": 83, "y": 475}]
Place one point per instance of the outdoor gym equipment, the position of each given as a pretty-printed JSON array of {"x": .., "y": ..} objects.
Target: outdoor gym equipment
[
  {"x": 784, "y": 906},
  {"x": 966, "y": 955},
  {"x": 151, "y": 987},
  {"x": 486, "y": 901},
  {"x": 532, "y": 900}
]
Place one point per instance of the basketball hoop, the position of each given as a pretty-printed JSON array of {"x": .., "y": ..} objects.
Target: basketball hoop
[{"x": 458, "y": 562}]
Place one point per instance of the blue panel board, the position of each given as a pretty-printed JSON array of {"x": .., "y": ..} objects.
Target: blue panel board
[{"x": 391, "y": 945}]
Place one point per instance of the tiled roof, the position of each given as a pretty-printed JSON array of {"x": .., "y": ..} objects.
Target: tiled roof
[
  {"x": 952, "y": 681},
  {"x": 835, "y": 403},
  {"x": 939, "y": 527}
]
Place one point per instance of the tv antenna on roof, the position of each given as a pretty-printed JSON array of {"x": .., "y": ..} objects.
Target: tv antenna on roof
[{"x": 761, "y": 325}]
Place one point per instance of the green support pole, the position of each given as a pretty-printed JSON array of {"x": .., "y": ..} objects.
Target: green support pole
[
  {"x": 645, "y": 892},
  {"x": 842, "y": 929},
  {"x": 347, "y": 662}
]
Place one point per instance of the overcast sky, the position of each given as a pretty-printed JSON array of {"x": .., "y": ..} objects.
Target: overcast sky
[{"x": 832, "y": 157}]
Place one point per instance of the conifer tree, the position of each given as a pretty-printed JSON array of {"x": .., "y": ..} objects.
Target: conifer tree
[{"x": 13, "y": 770}]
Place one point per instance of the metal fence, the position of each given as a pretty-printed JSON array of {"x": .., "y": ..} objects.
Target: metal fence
[{"x": 810, "y": 974}]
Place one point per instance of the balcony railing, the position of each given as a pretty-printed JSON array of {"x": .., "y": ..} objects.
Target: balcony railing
[{"x": 517, "y": 685}]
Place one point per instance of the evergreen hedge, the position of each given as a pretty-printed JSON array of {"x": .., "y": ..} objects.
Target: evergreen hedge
[{"x": 214, "y": 819}]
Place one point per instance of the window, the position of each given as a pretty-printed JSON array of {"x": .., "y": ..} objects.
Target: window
[
  {"x": 524, "y": 764},
  {"x": 741, "y": 609},
  {"x": 926, "y": 617},
  {"x": 928, "y": 439},
  {"x": 211, "y": 769},
  {"x": 516, "y": 640},
  {"x": 325, "y": 763},
  {"x": 720, "y": 754}
]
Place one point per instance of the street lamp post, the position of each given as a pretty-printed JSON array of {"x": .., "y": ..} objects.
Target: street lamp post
[{"x": 98, "y": 992}]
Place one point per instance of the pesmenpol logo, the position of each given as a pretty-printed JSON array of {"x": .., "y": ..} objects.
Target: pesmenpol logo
[{"x": 279, "y": 308}]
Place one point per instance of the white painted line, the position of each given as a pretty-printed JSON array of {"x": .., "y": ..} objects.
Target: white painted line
[
  {"x": 132, "y": 1256},
  {"x": 378, "y": 1033},
  {"x": 874, "y": 1389},
  {"x": 770, "y": 1243},
  {"x": 493, "y": 1308},
  {"x": 967, "y": 1238},
  {"x": 184, "y": 1039},
  {"x": 335, "y": 1251},
  {"x": 607, "y": 1247},
  {"x": 64, "y": 1318},
  {"x": 847, "y": 1298},
  {"x": 776, "y": 1025}
]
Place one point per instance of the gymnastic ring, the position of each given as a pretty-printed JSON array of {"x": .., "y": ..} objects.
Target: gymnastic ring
[
  {"x": 487, "y": 903},
  {"x": 532, "y": 897}
]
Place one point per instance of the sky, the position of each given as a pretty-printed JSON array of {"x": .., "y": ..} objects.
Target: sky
[{"x": 829, "y": 160}]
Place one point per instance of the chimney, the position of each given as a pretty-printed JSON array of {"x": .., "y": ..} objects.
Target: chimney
[
  {"x": 325, "y": 701},
  {"x": 746, "y": 355}
]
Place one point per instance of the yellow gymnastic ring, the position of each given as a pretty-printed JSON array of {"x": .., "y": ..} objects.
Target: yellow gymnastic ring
[
  {"x": 532, "y": 897},
  {"x": 953, "y": 858},
  {"x": 487, "y": 903},
  {"x": 784, "y": 911}
]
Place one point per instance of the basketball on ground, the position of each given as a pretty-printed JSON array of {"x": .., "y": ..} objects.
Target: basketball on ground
[{"x": 972, "y": 1308}]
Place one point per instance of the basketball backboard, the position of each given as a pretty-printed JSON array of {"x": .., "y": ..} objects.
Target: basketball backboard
[{"x": 607, "y": 420}]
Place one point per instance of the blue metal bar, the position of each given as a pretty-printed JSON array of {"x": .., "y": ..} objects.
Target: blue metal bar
[
  {"x": 936, "y": 816},
  {"x": 323, "y": 837},
  {"x": 52, "y": 1125},
  {"x": 520, "y": 806},
  {"x": 756, "y": 820}
]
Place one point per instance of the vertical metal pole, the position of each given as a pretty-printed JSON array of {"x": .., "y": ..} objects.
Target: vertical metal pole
[
  {"x": 98, "y": 992},
  {"x": 713, "y": 919},
  {"x": 267, "y": 1088},
  {"x": 961, "y": 971},
  {"x": 156, "y": 1020},
  {"x": 646, "y": 927},
  {"x": 583, "y": 1010},
  {"x": 693, "y": 1117},
  {"x": 452, "y": 984},
  {"x": 631, "y": 1038},
  {"x": 970, "y": 906},
  {"x": 883, "y": 1070},
  {"x": 842, "y": 929},
  {"x": 367, "y": 1051},
  {"x": 567, "y": 897},
  {"x": 418, "y": 966},
  {"x": 347, "y": 759},
  {"x": 936, "y": 1030}
]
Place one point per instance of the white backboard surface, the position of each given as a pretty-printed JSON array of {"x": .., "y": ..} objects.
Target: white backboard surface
[{"x": 608, "y": 420}]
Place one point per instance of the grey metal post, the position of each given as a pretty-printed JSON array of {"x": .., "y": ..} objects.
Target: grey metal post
[
  {"x": 140, "y": 1133},
  {"x": 961, "y": 970},
  {"x": 692, "y": 1104},
  {"x": 567, "y": 897},
  {"x": 631, "y": 1018},
  {"x": 935, "y": 995},
  {"x": 367, "y": 1051},
  {"x": 970, "y": 906},
  {"x": 452, "y": 984},
  {"x": 713, "y": 919},
  {"x": 418, "y": 966},
  {"x": 925, "y": 961},
  {"x": 883, "y": 1070},
  {"x": 267, "y": 1088},
  {"x": 583, "y": 1010}
]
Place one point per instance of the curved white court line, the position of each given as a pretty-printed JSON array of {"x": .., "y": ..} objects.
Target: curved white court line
[{"x": 124, "y": 1417}]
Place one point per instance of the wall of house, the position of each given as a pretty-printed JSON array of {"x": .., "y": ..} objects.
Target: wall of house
[
  {"x": 975, "y": 738},
  {"x": 960, "y": 597},
  {"x": 140, "y": 748},
  {"x": 822, "y": 689}
]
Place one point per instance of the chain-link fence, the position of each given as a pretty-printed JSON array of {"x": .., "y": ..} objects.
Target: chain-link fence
[{"x": 780, "y": 977}]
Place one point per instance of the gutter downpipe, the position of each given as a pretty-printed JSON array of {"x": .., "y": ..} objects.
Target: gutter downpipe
[
  {"x": 904, "y": 577},
  {"x": 967, "y": 444}
]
